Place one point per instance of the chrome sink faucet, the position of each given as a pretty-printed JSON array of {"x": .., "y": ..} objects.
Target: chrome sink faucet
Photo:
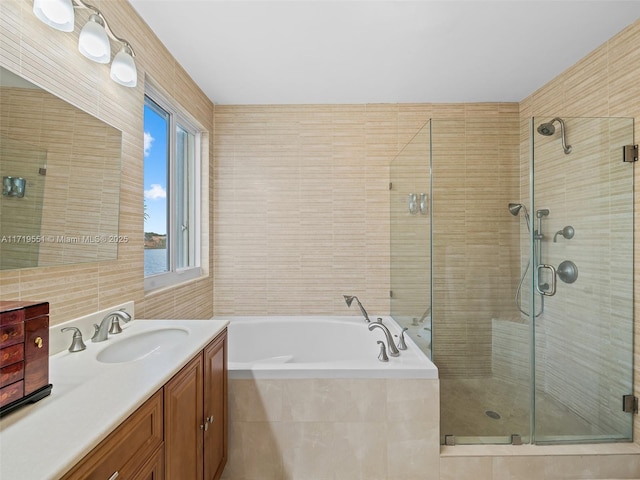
[
  {"x": 350, "y": 298},
  {"x": 108, "y": 324},
  {"x": 393, "y": 350}
]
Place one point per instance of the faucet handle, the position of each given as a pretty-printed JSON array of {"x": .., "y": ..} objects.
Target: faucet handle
[
  {"x": 115, "y": 327},
  {"x": 96, "y": 331},
  {"x": 77, "y": 345},
  {"x": 402, "y": 345},
  {"x": 383, "y": 352}
]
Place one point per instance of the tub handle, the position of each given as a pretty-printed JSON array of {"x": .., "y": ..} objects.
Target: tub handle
[
  {"x": 402, "y": 345},
  {"x": 383, "y": 352}
]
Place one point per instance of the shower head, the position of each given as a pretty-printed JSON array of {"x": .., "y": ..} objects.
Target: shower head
[
  {"x": 350, "y": 298},
  {"x": 547, "y": 129},
  {"x": 514, "y": 209}
]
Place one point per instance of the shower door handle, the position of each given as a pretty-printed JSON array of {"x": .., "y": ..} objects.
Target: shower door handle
[{"x": 552, "y": 290}]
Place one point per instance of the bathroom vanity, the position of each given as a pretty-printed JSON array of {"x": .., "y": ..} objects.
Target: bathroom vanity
[{"x": 158, "y": 414}]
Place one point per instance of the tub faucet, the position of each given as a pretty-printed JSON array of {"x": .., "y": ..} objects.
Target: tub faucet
[
  {"x": 351, "y": 298},
  {"x": 102, "y": 330},
  {"x": 393, "y": 350}
]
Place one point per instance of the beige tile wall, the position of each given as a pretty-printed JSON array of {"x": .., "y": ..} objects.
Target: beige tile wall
[
  {"x": 50, "y": 59},
  {"x": 603, "y": 84},
  {"x": 475, "y": 239},
  {"x": 302, "y": 205}
]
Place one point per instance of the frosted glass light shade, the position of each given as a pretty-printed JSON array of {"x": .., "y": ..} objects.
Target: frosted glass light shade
[
  {"x": 123, "y": 68},
  {"x": 93, "y": 42},
  {"x": 55, "y": 13}
]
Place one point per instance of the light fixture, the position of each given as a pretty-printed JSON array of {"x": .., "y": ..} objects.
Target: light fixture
[
  {"x": 93, "y": 41},
  {"x": 123, "y": 68},
  {"x": 57, "y": 14}
]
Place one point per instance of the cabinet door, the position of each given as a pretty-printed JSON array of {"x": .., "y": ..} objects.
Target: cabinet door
[
  {"x": 127, "y": 448},
  {"x": 215, "y": 407},
  {"x": 184, "y": 423},
  {"x": 154, "y": 468}
]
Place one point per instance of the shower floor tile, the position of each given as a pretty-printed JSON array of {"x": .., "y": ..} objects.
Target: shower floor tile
[{"x": 489, "y": 407}]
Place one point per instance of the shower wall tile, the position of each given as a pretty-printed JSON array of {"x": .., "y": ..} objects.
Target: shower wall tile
[
  {"x": 476, "y": 243},
  {"x": 603, "y": 84},
  {"x": 50, "y": 59},
  {"x": 302, "y": 213},
  {"x": 302, "y": 209}
]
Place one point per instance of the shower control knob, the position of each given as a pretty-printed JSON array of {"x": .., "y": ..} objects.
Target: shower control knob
[{"x": 567, "y": 271}]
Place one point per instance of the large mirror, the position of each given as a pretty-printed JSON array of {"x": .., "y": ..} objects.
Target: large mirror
[{"x": 60, "y": 170}]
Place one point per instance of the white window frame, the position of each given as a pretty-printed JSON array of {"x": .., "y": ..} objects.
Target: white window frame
[{"x": 178, "y": 116}]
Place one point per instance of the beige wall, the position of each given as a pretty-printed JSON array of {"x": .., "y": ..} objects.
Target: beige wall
[
  {"x": 50, "y": 59},
  {"x": 302, "y": 205},
  {"x": 606, "y": 83}
]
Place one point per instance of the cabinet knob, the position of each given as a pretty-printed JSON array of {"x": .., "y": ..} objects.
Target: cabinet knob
[
  {"x": 114, "y": 476},
  {"x": 38, "y": 342},
  {"x": 210, "y": 419},
  {"x": 204, "y": 427}
]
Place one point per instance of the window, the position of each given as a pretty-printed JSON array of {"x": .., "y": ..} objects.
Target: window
[{"x": 171, "y": 194}]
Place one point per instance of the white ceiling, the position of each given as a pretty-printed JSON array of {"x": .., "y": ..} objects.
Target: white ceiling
[{"x": 391, "y": 51}]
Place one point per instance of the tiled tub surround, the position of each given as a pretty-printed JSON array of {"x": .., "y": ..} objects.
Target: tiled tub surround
[
  {"x": 90, "y": 399},
  {"x": 361, "y": 427}
]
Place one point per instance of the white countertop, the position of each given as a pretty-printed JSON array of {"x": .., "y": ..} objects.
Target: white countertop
[{"x": 90, "y": 399}]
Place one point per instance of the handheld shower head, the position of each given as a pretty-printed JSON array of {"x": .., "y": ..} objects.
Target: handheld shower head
[
  {"x": 514, "y": 209},
  {"x": 547, "y": 129},
  {"x": 350, "y": 298}
]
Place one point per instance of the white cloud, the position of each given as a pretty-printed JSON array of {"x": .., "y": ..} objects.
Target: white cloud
[
  {"x": 155, "y": 192},
  {"x": 148, "y": 140}
]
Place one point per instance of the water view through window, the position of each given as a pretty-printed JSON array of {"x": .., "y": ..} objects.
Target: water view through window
[{"x": 156, "y": 163}]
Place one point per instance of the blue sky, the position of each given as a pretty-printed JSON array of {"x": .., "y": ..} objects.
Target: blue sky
[{"x": 155, "y": 171}]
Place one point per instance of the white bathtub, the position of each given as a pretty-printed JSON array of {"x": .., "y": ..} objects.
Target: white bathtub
[{"x": 318, "y": 347}]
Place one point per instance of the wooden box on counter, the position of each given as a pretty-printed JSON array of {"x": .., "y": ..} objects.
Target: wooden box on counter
[{"x": 24, "y": 353}]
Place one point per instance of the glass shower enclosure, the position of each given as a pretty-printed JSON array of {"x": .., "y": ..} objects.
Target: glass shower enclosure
[{"x": 512, "y": 267}]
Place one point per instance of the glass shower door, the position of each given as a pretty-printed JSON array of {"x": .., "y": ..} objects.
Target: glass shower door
[{"x": 582, "y": 235}]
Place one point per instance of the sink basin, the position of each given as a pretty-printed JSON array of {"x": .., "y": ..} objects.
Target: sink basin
[{"x": 142, "y": 344}]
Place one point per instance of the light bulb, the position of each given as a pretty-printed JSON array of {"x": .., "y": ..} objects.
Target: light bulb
[
  {"x": 123, "y": 68},
  {"x": 57, "y": 14},
  {"x": 93, "y": 42}
]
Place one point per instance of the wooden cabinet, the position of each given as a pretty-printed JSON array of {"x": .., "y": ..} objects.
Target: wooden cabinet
[
  {"x": 196, "y": 416},
  {"x": 24, "y": 353},
  {"x": 179, "y": 434},
  {"x": 130, "y": 451},
  {"x": 215, "y": 407}
]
